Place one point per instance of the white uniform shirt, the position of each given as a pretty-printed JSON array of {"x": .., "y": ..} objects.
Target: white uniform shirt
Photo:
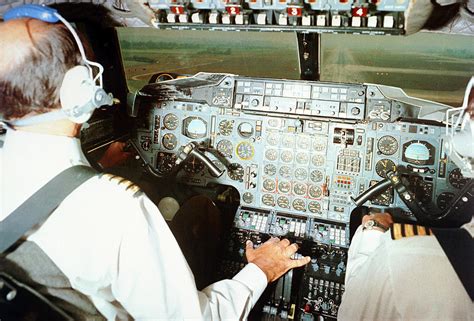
[
  {"x": 114, "y": 245},
  {"x": 406, "y": 279}
]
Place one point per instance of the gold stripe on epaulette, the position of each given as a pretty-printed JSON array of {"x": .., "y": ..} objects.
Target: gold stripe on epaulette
[
  {"x": 124, "y": 183},
  {"x": 400, "y": 230}
]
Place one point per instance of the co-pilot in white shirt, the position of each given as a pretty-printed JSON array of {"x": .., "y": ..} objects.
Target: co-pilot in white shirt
[{"x": 113, "y": 244}]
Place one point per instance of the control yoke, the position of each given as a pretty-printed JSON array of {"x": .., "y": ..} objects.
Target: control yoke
[{"x": 444, "y": 218}]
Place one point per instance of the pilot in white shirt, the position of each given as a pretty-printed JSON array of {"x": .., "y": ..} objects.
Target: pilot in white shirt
[{"x": 106, "y": 237}]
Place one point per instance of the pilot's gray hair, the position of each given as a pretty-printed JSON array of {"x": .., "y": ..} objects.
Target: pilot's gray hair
[{"x": 33, "y": 85}]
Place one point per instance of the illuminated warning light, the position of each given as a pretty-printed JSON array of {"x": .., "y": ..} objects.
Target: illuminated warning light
[
  {"x": 282, "y": 1},
  {"x": 177, "y": 10},
  {"x": 375, "y": 1},
  {"x": 343, "y": 1},
  {"x": 360, "y": 12},
  {"x": 294, "y": 11},
  {"x": 233, "y": 10},
  {"x": 312, "y": 1}
]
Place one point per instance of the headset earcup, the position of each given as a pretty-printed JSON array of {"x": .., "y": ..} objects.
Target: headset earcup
[{"x": 77, "y": 91}]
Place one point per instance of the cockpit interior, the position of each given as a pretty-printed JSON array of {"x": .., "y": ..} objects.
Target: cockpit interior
[{"x": 289, "y": 115}]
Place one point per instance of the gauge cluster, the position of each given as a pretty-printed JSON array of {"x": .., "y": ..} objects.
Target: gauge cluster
[{"x": 296, "y": 147}]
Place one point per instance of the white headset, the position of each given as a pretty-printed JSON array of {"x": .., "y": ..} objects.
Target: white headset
[{"x": 80, "y": 93}]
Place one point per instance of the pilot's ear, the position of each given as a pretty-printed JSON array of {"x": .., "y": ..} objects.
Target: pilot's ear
[{"x": 77, "y": 91}]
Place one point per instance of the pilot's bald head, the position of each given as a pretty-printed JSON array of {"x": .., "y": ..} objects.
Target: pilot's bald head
[{"x": 34, "y": 58}]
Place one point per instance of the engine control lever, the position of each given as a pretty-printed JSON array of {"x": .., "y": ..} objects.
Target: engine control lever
[{"x": 192, "y": 149}]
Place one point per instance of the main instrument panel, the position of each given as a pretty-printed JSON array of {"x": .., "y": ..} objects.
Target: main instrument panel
[{"x": 296, "y": 151}]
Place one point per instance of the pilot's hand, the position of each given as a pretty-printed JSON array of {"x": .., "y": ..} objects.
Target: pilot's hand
[
  {"x": 115, "y": 155},
  {"x": 274, "y": 257},
  {"x": 385, "y": 219}
]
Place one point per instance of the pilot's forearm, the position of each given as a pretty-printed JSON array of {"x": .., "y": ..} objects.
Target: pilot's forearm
[{"x": 233, "y": 299}]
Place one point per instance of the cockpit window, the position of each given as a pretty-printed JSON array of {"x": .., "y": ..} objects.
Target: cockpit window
[
  {"x": 147, "y": 51},
  {"x": 431, "y": 66}
]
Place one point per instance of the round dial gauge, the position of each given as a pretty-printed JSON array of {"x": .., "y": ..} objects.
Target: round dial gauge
[
  {"x": 193, "y": 165},
  {"x": 171, "y": 121},
  {"x": 316, "y": 176},
  {"x": 244, "y": 150},
  {"x": 268, "y": 199},
  {"x": 245, "y": 130},
  {"x": 169, "y": 141},
  {"x": 319, "y": 144},
  {"x": 285, "y": 171},
  {"x": 418, "y": 152},
  {"x": 283, "y": 202},
  {"x": 287, "y": 156},
  {"x": 299, "y": 189},
  {"x": 302, "y": 158},
  {"x": 383, "y": 166},
  {"x": 235, "y": 172},
  {"x": 317, "y": 160},
  {"x": 304, "y": 142},
  {"x": 314, "y": 207},
  {"x": 271, "y": 154},
  {"x": 270, "y": 169},
  {"x": 288, "y": 141},
  {"x": 301, "y": 174},
  {"x": 299, "y": 204},
  {"x": 284, "y": 187},
  {"x": 225, "y": 127},
  {"x": 269, "y": 185},
  {"x": 315, "y": 191},
  {"x": 456, "y": 179},
  {"x": 224, "y": 147},
  {"x": 247, "y": 197},
  {"x": 165, "y": 162},
  {"x": 272, "y": 139},
  {"x": 444, "y": 200},
  {"x": 387, "y": 145}
]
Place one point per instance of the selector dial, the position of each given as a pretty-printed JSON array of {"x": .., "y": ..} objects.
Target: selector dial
[{"x": 165, "y": 162}]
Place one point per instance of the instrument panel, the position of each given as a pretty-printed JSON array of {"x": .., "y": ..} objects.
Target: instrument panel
[
  {"x": 295, "y": 148},
  {"x": 341, "y": 16}
]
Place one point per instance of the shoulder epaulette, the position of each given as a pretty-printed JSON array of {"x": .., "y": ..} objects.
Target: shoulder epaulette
[
  {"x": 400, "y": 230},
  {"x": 122, "y": 182}
]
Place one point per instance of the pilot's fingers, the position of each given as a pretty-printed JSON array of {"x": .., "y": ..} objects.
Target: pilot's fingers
[
  {"x": 300, "y": 262},
  {"x": 248, "y": 245},
  {"x": 273, "y": 240},
  {"x": 284, "y": 243},
  {"x": 291, "y": 249}
]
